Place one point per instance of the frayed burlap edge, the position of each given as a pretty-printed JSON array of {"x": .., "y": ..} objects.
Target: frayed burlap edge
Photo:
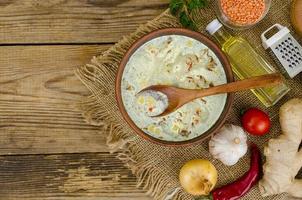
[{"x": 100, "y": 109}]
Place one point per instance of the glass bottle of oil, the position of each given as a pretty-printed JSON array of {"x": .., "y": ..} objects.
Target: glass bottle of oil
[{"x": 246, "y": 62}]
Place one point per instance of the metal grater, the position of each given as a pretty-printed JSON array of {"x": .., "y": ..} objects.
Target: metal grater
[{"x": 287, "y": 50}]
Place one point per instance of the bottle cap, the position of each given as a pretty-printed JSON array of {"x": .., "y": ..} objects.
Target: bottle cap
[{"x": 214, "y": 26}]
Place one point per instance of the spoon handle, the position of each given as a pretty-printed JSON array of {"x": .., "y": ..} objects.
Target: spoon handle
[{"x": 250, "y": 83}]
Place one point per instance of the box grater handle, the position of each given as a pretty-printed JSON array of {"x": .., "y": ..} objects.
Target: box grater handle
[{"x": 267, "y": 42}]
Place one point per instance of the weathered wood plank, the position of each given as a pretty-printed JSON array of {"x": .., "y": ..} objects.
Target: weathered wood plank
[
  {"x": 93, "y": 176},
  {"x": 38, "y": 93},
  {"x": 73, "y": 21}
]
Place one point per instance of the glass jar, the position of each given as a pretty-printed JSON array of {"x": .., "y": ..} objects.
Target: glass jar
[
  {"x": 246, "y": 62},
  {"x": 223, "y": 12}
]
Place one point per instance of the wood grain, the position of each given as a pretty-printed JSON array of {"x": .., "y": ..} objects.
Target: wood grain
[
  {"x": 90, "y": 176},
  {"x": 38, "y": 94},
  {"x": 73, "y": 21}
]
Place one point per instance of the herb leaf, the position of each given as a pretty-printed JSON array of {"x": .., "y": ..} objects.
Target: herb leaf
[
  {"x": 195, "y": 4},
  {"x": 183, "y": 8},
  {"x": 175, "y": 6},
  {"x": 186, "y": 21}
]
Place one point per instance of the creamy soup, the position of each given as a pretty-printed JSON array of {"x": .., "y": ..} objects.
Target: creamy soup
[{"x": 179, "y": 61}]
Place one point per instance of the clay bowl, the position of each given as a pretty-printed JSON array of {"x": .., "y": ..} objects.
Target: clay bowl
[{"x": 184, "y": 32}]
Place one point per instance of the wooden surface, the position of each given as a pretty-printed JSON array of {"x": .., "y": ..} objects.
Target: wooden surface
[{"x": 47, "y": 151}]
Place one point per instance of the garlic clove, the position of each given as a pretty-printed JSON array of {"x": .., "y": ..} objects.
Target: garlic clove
[{"x": 229, "y": 144}]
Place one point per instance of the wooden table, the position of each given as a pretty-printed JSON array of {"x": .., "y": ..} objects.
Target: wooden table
[{"x": 47, "y": 150}]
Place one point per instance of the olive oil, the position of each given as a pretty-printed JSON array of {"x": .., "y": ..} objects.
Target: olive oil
[{"x": 246, "y": 62}]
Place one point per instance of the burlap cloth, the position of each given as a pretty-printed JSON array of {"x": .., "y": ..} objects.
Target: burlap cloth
[{"x": 157, "y": 167}]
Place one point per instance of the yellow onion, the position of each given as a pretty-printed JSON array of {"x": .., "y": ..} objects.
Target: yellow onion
[{"x": 198, "y": 177}]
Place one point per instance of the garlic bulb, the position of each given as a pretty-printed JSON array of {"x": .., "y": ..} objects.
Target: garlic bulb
[{"x": 229, "y": 144}]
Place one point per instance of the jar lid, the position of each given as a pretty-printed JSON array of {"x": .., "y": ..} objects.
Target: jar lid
[{"x": 214, "y": 26}]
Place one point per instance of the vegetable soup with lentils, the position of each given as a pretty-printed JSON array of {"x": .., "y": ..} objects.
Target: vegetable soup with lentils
[{"x": 182, "y": 62}]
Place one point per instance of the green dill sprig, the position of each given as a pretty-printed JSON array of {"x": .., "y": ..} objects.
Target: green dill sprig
[{"x": 183, "y": 9}]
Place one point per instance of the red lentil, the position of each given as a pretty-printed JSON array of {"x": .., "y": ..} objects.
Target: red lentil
[{"x": 243, "y": 11}]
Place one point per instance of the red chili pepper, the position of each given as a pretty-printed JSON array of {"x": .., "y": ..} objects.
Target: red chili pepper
[{"x": 242, "y": 185}]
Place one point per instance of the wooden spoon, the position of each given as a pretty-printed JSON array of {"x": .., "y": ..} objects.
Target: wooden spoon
[{"x": 177, "y": 97}]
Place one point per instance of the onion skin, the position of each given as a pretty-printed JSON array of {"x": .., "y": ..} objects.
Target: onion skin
[{"x": 198, "y": 177}]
